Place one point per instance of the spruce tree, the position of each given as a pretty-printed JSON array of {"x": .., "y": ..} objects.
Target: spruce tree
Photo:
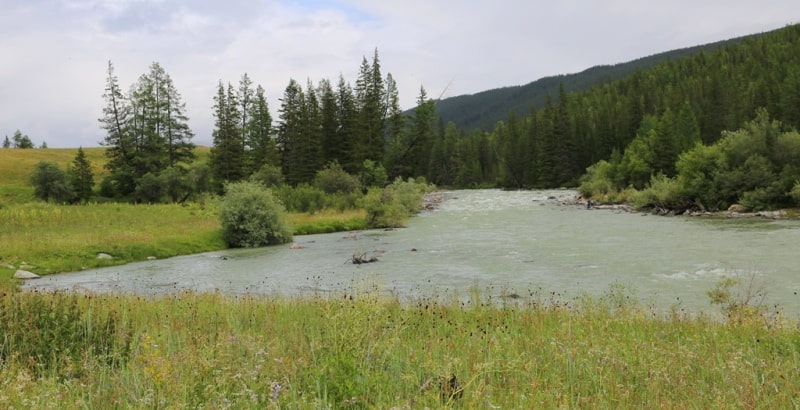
[
  {"x": 227, "y": 155},
  {"x": 82, "y": 176},
  {"x": 290, "y": 133},
  {"x": 260, "y": 139}
]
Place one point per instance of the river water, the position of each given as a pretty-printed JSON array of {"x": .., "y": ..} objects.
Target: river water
[{"x": 495, "y": 243}]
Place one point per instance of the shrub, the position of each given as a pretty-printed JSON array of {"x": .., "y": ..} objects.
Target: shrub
[
  {"x": 390, "y": 207},
  {"x": 251, "y": 216},
  {"x": 662, "y": 193},
  {"x": 50, "y": 182},
  {"x": 373, "y": 174},
  {"x": 598, "y": 180},
  {"x": 302, "y": 198},
  {"x": 269, "y": 176},
  {"x": 150, "y": 188},
  {"x": 333, "y": 179}
]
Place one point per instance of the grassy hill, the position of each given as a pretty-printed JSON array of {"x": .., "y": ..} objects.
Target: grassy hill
[
  {"x": 16, "y": 166},
  {"x": 486, "y": 108}
]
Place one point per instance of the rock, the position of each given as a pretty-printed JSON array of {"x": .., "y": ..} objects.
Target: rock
[
  {"x": 102, "y": 255},
  {"x": 8, "y": 266},
  {"x": 23, "y": 274},
  {"x": 151, "y": 258},
  {"x": 779, "y": 214},
  {"x": 296, "y": 246},
  {"x": 737, "y": 208}
]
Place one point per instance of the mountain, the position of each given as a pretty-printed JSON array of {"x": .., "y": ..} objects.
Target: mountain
[{"x": 484, "y": 109}]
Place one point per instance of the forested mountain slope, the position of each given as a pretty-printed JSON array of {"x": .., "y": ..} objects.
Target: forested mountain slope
[{"x": 484, "y": 109}]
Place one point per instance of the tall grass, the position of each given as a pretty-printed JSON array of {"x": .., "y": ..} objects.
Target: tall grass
[
  {"x": 56, "y": 238},
  {"x": 362, "y": 350}
]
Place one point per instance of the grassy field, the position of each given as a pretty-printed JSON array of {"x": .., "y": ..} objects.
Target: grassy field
[
  {"x": 48, "y": 238},
  {"x": 360, "y": 350}
]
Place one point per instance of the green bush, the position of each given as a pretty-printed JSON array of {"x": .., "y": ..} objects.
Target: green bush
[
  {"x": 150, "y": 188},
  {"x": 391, "y": 207},
  {"x": 333, "y": 179},
  {"x": 302, "y": 198},
  {"x": 662, "y": 193},
  {"x": 373, "y": 174},
  {"x": 51, "y": 183},
  {"x": 251, "y": 216},
  {"x": 598, "y": 180},
  {"x": 269, "y": 175}
]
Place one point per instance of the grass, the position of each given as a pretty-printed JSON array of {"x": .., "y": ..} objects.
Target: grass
[
  {"x": 49, "y": 238},
  {"x": 361, "y": 350}
]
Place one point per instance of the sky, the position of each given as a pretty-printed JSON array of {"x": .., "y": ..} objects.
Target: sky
[{"x": 55, "y": 53}]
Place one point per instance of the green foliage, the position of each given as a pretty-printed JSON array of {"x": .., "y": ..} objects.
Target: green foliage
[
  {"x": 391, "y": 206},
  {"x": 302, "y": 198},
  {"x": 372, "y": 174},
  {"x": 21, "y": 141},
  {"x": 269, "y": 175},
  {"x": 662, "y": 193},
  {"x": 144, "y": 141},
  {"x": 55, "y": 334},
  {"x": 251, "y": 216},
  {"x": 81, "y": 176},
  {"x": 741, "y": 297},
  {"x": 51, "y": 183},
  {"x": 150, "y": 188},
  {"x": 333, "y": 179}
]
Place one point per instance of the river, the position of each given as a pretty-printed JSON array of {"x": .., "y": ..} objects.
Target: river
[{"x": 494, "y": 243}]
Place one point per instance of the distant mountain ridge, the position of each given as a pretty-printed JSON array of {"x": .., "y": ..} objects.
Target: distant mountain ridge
[{"x": 486, "y": 108}]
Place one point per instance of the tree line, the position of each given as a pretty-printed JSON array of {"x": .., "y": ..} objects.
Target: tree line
[
  {"x": 640, "y": 124},
  {"x": 20, "y": 141}
]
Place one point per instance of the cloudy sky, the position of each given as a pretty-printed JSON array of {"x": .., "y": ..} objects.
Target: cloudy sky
[{"x": 55, "y": 53}]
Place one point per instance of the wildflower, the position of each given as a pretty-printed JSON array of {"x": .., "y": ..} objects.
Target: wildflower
[{"x": 276, "y": 389}]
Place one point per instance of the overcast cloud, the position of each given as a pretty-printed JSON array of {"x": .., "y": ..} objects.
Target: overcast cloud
[{"x": 55, "y": 53}]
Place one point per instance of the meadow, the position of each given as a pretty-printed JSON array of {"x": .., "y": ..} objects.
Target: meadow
[
  {"x": 362, "y": 350},
  {"x": 356, "y": 349},
  {"x": 47, "y": 238}
]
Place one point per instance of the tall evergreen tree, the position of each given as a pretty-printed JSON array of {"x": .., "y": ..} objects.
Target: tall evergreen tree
[
  {"x": 81, "y": 176},
  {"x": 347, "y": 132},
  {"x": 119, "y": 142},
  {"x": 260, "y": 140},
  {"x": 244, "y": 99},
  {"x": 370, "y": 102},
  {"x": 328, "y": 111},
  {"x": 290, "y": 133},
  {"x": 227, "y": 155},
  {"x": 147, "y": 131}
]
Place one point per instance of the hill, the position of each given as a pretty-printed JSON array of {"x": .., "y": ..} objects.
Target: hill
[
  {"x": 16, "y": 166},
  {"x": 484, "y": 109}
]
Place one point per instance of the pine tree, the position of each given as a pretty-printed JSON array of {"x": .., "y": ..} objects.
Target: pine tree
[
  {"x": 6, "y": 142},
  {"x": 245, "y": 97},
  {"x": 260, "y": 141},
  {"x": 147, "y": 131},
  {"x": 121, "y": 148},
  {"x": 370, "y": 102},
  {"x": 227, "y": 155},
  {"x": 347, "y": 132},
  {"x": 290, "y": 133},
  {"x": 331, "y": 146},
  {"x": 81, "y": 176}
]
